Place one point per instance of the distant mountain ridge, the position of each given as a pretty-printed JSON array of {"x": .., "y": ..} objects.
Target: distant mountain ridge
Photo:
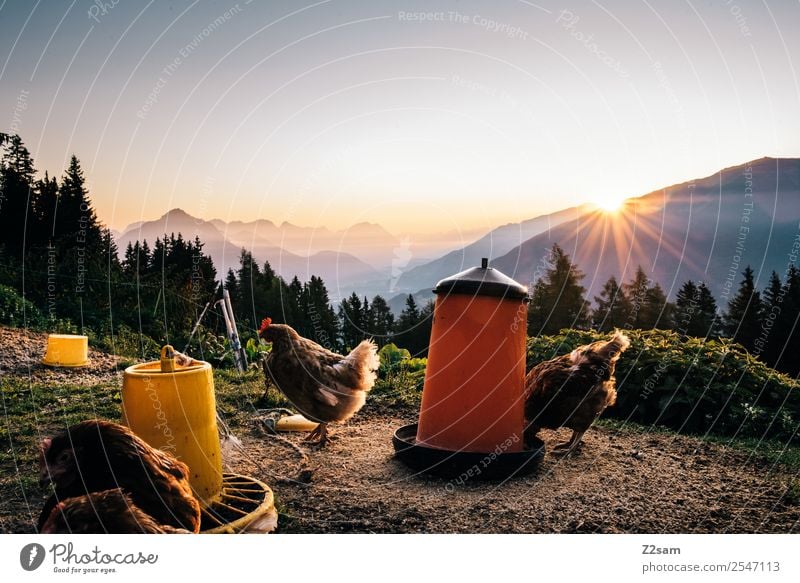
[
  {"x": 368, "y": 241},
  {"x": 707, "y": 229},
  {"x": 495, "y": 243},
  {"x": 339, "y": 269}
]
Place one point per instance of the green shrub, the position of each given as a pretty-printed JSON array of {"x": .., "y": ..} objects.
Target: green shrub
[
  {"x": 791, "y": 495},
  {"x": 17, "y": 311},
  {"x": 400, "y": 377},
  {"x": 391, "y": 356},
  {"x": 254, "y": 350},
  {"x": 691, "y": 384},
  {"x": 66, "y": 326},
  {"x": 215, "y": 349},
  {"x": 128, "y": 342}
]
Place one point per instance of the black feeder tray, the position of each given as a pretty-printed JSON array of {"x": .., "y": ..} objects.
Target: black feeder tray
[{"x": 454, "y": 464}]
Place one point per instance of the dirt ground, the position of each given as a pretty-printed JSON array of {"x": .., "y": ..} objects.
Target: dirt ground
[
  {"x": 21, "y": 356},
  {"x": 619, "y": 482}
]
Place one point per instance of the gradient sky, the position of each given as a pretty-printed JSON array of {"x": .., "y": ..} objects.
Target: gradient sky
[{"x": 336, "y": 112}]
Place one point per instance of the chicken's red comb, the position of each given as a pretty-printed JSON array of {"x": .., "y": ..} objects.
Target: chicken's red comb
[{"x": 265, "y": 323}]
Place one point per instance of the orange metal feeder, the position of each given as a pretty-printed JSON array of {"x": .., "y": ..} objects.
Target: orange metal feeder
[{"x": 472, "y": 401}]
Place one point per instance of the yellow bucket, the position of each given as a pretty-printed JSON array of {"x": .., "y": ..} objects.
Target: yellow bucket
[
  {"x": 66, "y": 350},
  {"x": 173, "y": 408}
]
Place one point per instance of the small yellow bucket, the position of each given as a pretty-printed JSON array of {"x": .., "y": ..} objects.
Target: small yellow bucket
[
  {"x": 173, "y": 408},
  {"x": 69, "y": 350}
]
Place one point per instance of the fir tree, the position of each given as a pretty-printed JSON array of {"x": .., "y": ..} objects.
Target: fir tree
[
  {"x": 404, "y": 327},
  {"x": 695, "y": 310},
  {"x": 231, "y": 284},
  {"x": 382, "y": 320},
  {"x": 613, "y": 307},
  {"x": 423, "y": 334},
  {"x": 772, "y": 293},
  {"x": 704, "y": 323},
  {"x": 324, "y": 323},
  {"x": 298, "y": 306},
  {"x": 656, "y": 311},
  {"x": 685, "y": 306},
  {"x": 75, "y": 221},
  {"x": 787, "y": 327},
  {"x": 559, "y": 300},
  {"x": 636, "y": 292},
  {"x": 742, "y": 321},
  {"x": 413, "y": 327},
  {"x": 367, "y": 318},
  {"x": 17, "y": 158},
  {"x": 351, "y": 316},
  {"x": 251, "y": 303},
  {"x": 16, "y": 190},
  {"x": 45, "y": 206},
  {"x": 157, "y": 257},
  {"x": 776, "y": 333}
]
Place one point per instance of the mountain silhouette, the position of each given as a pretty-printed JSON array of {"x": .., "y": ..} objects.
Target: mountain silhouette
[
  {"x": 495, "y": 243},
  {"x": 707, "y": 229},
  {"x": 340, "y": 270}
]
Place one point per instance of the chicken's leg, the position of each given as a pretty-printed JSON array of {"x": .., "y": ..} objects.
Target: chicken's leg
[
  {"x": 529, "y": 436},
  {"x": 319, "y": 436},
  {"x": 569, "y": 447}
]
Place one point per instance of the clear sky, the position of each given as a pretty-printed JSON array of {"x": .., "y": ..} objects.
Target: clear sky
[{"x": 419, "y": 115}]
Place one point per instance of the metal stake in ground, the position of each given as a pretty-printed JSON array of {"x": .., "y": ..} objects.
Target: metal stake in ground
[{"x": 239, "y": 356}]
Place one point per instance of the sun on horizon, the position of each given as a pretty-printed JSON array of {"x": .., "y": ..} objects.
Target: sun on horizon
[{"x": 610, "y": 203}]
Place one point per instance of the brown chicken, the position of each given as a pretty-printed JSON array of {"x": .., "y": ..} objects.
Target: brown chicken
[
  {"x": 573, "y": 390},
  {"x": 97, "y": 455},
  {"x": 324, "y": 386},
  {"x": 108, "y": 512}
]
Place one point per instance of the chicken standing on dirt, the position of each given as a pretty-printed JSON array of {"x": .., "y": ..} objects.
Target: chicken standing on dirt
[
  {"x": 94, "y": 456},
  {"x": 573, "y": 390},
  {"x": 324, "y": 386},
  {"x": 107, "y": 512}
]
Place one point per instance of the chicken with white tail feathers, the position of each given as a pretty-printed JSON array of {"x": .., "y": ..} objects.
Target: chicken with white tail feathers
[
  {"x": 324, "y": 386},
  {"x": 573, "y": 390}
]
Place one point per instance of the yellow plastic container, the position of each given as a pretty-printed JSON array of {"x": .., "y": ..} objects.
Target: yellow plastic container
[
  {"x": 66, "y": 350},
  {"x": 173, "y": 408}
]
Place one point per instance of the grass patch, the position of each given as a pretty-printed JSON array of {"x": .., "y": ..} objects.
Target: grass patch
[
  {"x": 400, "y": 380},
  {"x": 396, "y": 393},
  {"x": 239, "y": 395},
  {"x": 32, "y": 411},
  {"x": 792, "y": 493},
  {"x": 774, "y": 451}
]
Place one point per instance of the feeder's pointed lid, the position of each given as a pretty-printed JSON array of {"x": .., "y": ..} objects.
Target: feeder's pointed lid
[{"x": 482, "y": 281}]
